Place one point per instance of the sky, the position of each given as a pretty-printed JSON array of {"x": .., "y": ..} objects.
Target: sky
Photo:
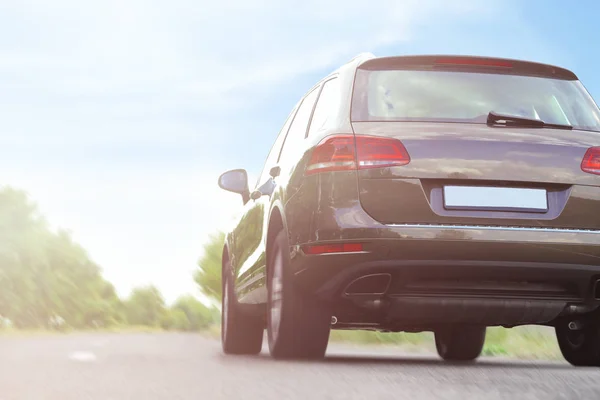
[{"x": 117, "y": 117}]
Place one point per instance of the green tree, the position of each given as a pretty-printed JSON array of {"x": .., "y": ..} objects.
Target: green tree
[
  {"x": 145, "y": 306},
  {"x": 47, "y": 280},
  {"x": 175, "y": 319},
  {"x": 180, "y": 320},
  {"x": 209, "y": 274},
  {"x": 167, "y": 320},
  {"x": 197, "y": 314},
  {"x": 45, "y": 276}
]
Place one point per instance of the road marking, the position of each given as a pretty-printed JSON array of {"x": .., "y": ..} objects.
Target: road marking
[
  {"x": 99, "y": 343},
  {"x": 82, "y": 356}
]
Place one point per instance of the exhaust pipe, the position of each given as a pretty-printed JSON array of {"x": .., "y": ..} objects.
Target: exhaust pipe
[
  {"x": 371, "y": 284},
  {"x": 333, "y": 320}
]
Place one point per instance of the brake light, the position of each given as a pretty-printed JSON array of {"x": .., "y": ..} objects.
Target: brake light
[
  {"x": 591, "y": 161},
  {"x": 376, "y": 152},
  {"x": 485, "y": 62},
  {"x": 334, "y": 153},
  {"x": 348, "y": 152},
  {"x": 333, "y": 248}
]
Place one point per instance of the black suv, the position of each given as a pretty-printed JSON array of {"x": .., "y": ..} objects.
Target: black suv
[{"x": 422, "y": 193}]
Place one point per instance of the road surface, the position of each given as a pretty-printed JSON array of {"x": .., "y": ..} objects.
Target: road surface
[{"x": 188, "y": 366}]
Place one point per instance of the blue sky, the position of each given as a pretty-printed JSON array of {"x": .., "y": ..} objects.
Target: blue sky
[{"x": 118, "y": 116}]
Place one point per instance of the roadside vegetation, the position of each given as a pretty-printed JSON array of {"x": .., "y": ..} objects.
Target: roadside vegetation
[
  {"x": 49, "y": 283},
  {"x": 520, "y": 342}
]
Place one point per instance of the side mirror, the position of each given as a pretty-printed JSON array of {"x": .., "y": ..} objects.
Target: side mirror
[{"x": 236, "y": 181}]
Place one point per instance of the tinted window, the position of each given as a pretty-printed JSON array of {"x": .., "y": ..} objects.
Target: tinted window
[
  {"x": 293, "y": 144},
  {"x": 442, "y": 96},
  {"x": 327, "y": 105},
  {"x": 274, "y": 153}
]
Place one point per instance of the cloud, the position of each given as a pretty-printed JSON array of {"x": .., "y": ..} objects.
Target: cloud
[
  {"x": 197, "y": 54},
  {"x": 141, "y": 226},
  {"x": 123, "y": 64},
  {"x": 117, "y": 116}
]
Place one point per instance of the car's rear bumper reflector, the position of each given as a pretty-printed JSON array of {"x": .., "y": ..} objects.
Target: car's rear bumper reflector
[{"x": 332, "y": 248}]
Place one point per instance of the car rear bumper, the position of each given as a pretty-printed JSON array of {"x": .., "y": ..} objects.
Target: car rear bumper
[{"x": 470, "y": 274}]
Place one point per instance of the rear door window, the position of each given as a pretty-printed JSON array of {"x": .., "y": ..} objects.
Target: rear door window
[
  {"x": 276, "y": 149},
  {"x": 327, "y": 106},
  {"x": 293, "y": 147}
]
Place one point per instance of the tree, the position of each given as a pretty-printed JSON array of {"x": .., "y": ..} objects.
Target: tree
[
  {"x": 199, "y": 316},
  {"x": 47, "y": 280},
  {"x": 180, "y": 320},
  {"x": 145, "y": 306},
  {"x": 209, "y": 274},
  {"x": 44, "y": 275}
]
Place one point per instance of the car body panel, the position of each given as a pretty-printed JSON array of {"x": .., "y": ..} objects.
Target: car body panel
[
  {"x": 479, "y": 155},
  {"x": 395, "y": 212},
  {"x": 250, "y": 265},
  {"x": 477, "y": 151},
  {"x": 248, "y": 244}
]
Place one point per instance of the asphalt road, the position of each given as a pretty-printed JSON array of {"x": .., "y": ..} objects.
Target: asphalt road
[{"x": 187, "y": 366}]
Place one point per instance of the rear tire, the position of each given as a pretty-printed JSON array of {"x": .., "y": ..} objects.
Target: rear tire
[
  {"x": 580, "y": 347},
  {"x": 297, "y": 325},
  {"x": 240, "y": 334},
  {"x": 460, "y": 343}
]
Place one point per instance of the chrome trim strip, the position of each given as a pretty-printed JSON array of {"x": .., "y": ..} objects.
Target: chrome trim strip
[
  {"x": 496, "y": 228},
  {"x": 389, "y": 282}
]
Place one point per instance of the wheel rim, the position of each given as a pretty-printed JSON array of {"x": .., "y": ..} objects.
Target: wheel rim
[
  {"x": 225, "y": 309},
  {"x": 276, "y": 295}
]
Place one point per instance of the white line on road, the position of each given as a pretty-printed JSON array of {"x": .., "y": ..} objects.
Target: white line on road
[
  {"x": 99, "y": 343},
  {"x": 82, "y": 356}
]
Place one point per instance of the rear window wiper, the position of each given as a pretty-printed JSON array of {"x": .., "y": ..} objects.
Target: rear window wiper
[{"x": 513, "y": 120}]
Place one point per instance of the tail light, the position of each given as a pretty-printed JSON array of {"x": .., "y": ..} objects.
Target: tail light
[
  {"x": 591, "y": 161},
  {"x": 349, "y": 152},
  {"x": 334, "y": 153},
  {"x": 375, "y": 152}
]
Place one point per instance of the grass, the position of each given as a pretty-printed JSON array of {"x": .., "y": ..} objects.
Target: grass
[
  {"x": 416, "y": 342},
  {"x": 521, "y": 342}
]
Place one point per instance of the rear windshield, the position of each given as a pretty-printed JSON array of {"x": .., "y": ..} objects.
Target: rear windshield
[{"x": 448, "y": 96}]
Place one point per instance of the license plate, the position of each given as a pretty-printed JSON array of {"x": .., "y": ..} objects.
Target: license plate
[{"x": 495, "y": 198}]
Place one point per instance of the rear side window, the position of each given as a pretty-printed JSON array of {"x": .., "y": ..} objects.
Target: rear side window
[
  {"x": 275, "y": 150},
  {"x": 327, "y": 106},
  {"x": 449, "y": 96},
  {"x": 295, "y": 137}
]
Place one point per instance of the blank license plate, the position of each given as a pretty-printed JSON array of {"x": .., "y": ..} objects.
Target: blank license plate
[{"x": 495, "y": 198}]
